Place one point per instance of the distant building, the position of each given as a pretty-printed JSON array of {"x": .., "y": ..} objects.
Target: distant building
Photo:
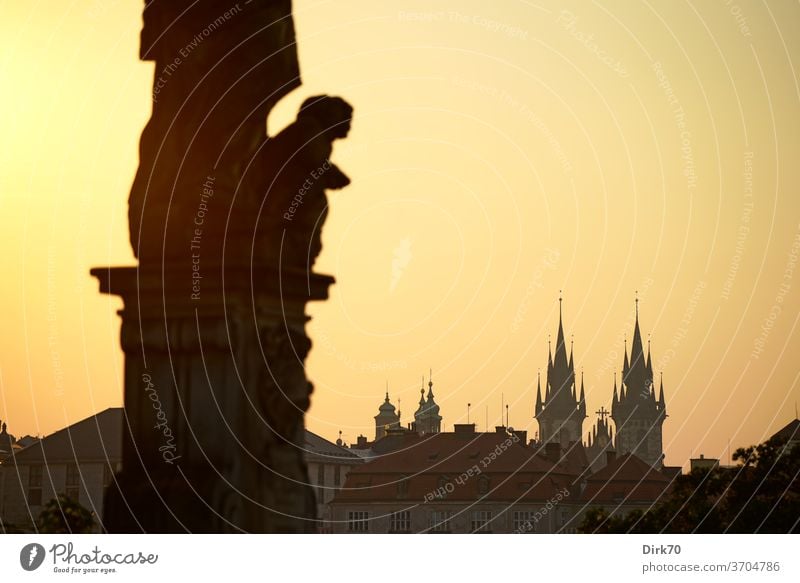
[
  {"x": 78, "y": 461},
  {"x": 8, "y": 443},
  {"x": 626, "y": 483},
  {"x": 561, "y": 412},
  {"x": 790, "y": 434},
  {"x": 468, "y": 482},
  {"x": 386, "y": 419},
  {"x": 427, "y": 419},
  {"x": 328, "y": 466},
  {"x": 703, "y": 463},
  {"x": 600, "y": 442},
  {"x": 637, "y": 412}
]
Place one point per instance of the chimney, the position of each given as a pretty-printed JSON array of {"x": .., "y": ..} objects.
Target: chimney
[
  {"x": 522, "y": 436},
  {"x": 361, "y": 442},
  {"x": 552, "y": 451},
  {"x": 464, "y": 428},
  {"x": 611, "y": 455},
  {"x": 499, "y": 429}
]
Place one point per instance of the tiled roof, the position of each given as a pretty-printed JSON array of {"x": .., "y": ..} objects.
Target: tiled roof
[
  {"x": 421, "y": 465},
  {"x": 96, "y": 438},
  {"x": 321, "y": 450},
  {"x": 627, "y": 479}
]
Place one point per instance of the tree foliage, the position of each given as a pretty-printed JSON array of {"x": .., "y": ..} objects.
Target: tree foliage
[
  {"x": 63, "y": 515},
  {"x": 761, "y": 494}
]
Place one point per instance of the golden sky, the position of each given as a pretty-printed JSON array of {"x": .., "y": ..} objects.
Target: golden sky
[{"x": 500, "y": 152}]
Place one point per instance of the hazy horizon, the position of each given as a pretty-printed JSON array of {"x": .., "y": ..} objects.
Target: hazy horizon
[{"x": 499, "y": 154}]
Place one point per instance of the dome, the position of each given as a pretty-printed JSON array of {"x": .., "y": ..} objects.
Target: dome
[{"x": 386, "y": 407}]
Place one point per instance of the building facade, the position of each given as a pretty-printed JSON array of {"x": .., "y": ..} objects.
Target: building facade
[
  {"x": 78, "y": 461},
  {"x": 328, "y": 466},
  {"x": 466, "y": 482}
]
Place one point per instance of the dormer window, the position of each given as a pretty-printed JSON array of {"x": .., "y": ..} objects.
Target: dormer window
[{"x": 483, "y": 485}]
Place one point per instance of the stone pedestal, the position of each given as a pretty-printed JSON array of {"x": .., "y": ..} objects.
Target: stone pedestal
[
  {"x": 225, "y": 223},
  {"x": 215, "y": 392}
]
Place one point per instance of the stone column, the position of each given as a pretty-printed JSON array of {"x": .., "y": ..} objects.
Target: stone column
[{"x": 214, "y": 314}]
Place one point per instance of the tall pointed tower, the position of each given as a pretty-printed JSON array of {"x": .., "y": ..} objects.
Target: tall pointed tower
[
  {"x": 561, "y": 413},
  {"x": 637, "y": 413}
]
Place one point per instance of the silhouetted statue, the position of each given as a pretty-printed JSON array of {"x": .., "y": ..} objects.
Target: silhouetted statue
[
  {"x": 292, "y": 172},
  {"x": 213, "y": 325},
  {"x": 220, "y": 67}
]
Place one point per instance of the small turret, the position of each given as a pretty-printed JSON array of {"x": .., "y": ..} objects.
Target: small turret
[
  {"x": 387, "y": 418},
  {"x": 538, "y": 394}
]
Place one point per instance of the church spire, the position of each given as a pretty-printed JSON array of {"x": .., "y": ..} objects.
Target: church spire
[
  {"x": 571, "y": 352},
  {"x": 582, "y": 402},
  {"x": 561, "y": 348},
  {"x": 538, "y": 393},
  {"x": 637, "y": 350},
  {"x": 626, "y": 365},
  {"x": 616, "y": 398}
]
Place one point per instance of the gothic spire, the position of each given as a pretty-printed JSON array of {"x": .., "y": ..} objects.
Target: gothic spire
[
  {"x": 571, "y": 352},
  {"x": 626, "y": 364},
  {"x": 538, "y": 393},
  {"x": 561, "y": 348},
  {"x": 637, "y": 350},
  {"x": 616, "y": 398}
]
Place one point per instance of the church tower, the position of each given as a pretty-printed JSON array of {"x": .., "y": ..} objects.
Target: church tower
[
  {"x": 427, "y": 418},
  {"x": 600, "y": 441},
  {"x": 637, "y": 413},
  {"x": 386, "y": 418},
  {"x": 561, "y": 413}
]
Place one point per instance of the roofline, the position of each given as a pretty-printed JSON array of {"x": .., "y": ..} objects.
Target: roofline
[{"x": 67, "y": 428}]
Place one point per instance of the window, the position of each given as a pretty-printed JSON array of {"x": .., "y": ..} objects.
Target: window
[
  {"x": 483, "y": 485},
  {"x": 73, "y": 488},
  {"x": 524, "y": 521},
  {"x": 439, "y": 521},
  {"x": 337, "y": 475},
  {"x": 35, "y": 485},
  {"x": 357, "y": 521},
  {"x": 400, "y": 521},
  {"x": 444, "y": 487},
  {"x": 321, "y": 475},
  {"x": 480, "y": 520},
  {"x": 564, "y": 519},
  {"x": 402, "y": 487}
]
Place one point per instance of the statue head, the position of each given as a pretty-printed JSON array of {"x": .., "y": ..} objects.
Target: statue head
[{"x": 333, "y": 113}]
